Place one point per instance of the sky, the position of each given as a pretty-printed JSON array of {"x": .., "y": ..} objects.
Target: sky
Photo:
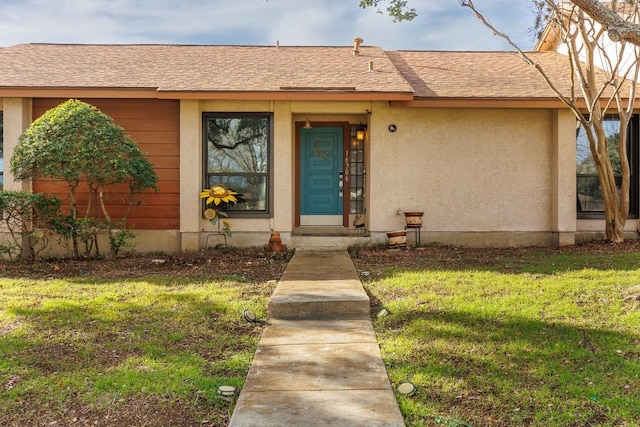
[{"x": 440, "y": 25}]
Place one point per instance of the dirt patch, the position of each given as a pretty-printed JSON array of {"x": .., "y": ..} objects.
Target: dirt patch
[
  {"x": 131, "y": 412},
  {"x": 255, "y": 265},
  {"x": 250, "y": 265},
  {"x": 377, "y": 259}
]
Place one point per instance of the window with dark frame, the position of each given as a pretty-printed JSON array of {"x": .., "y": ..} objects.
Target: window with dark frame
[
  {"x": 590, "y": 203},
  {"x": 237, "y": 153},
  {"x": 357, "y": 174}
]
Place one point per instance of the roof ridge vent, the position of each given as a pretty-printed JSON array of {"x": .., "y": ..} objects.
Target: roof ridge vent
[{"x": 356, "y": 45}]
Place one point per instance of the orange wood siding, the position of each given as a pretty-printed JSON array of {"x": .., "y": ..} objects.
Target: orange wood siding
[{"x": 154, "y": 125}]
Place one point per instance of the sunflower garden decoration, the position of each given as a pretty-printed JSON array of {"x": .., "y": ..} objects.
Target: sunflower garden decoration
[{"x": 217, "y": 198}]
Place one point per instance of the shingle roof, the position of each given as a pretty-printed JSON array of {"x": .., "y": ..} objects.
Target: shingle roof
[
  {"x": 255, "y": 71},
  {"x": 199, "y": 68},
  {"x": 437, "y": 74}
]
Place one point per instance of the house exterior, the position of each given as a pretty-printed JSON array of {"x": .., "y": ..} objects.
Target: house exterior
[
  {"x": 475, "y": 140},
  {"x": 617, "y": 59}
]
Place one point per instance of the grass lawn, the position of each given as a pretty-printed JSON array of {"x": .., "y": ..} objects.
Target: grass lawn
[
  {"x": 489, "y": 337},
  {"x": 510, "y": 338},
  {"x": 149, "y": 350}
]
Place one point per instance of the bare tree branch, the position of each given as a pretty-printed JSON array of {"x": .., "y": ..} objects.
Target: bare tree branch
[
  {"x": 617, "y": 27},
  {"x": 525, "y": 57},
  {"x": 600, "y": 85}
]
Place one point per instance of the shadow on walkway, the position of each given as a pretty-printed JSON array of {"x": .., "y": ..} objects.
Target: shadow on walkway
[{"x": 318, "y": 362}]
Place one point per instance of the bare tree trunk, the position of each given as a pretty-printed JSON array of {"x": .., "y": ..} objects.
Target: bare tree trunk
[
  {"x": 74, "y": 216},
  {"x": 107, "y": 217},
  {"x": 584, "y": 43},
  {"x": 618, "y": 28}
]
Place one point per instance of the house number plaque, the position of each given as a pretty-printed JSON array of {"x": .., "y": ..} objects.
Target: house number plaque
[{"x": 347, "y": 163}]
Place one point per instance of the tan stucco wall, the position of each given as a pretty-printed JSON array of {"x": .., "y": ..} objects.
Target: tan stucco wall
[
  {"x": 563, "y": 177},
  {"x": 16, "y": 113},
  {"x": 471, "y": 171},
  {"x": 190, "y": 173},
  {"x": 16, "y": 116}
]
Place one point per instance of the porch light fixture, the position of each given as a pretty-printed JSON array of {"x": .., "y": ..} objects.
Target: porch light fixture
[
  {"x": 361, "y": 131},
  {"x": 307, "y": 124}
]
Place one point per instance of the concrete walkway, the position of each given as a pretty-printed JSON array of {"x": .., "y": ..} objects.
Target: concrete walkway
[{"x": 318, "y": 362}]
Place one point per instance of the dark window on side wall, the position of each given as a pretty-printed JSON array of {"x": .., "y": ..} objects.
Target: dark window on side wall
[
  {"x": 590, "y": 203},
  {"x": 238, "y": 155}
]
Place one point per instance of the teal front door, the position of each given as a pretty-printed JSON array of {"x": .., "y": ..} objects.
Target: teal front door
[{"x": 321, "y": 195}]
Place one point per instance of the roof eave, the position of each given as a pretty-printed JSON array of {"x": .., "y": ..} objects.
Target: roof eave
[
  {"x": 78, "y": 92},
  {"x": 152, "y": 92},
  {"x": 442, "y": 102},
  {"x": 488, "y": 102},
  {"x": 289, "y": 95}
]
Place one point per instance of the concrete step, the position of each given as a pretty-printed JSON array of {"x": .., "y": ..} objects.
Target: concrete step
[
  {"x": 336, "y": 241},
  {"x": 314, "y": 286}
]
